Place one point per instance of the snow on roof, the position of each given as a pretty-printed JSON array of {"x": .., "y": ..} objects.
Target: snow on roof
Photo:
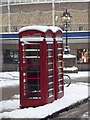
[
  {"x": 55, "y": 29},
  {"x": 40, "y": 28}
]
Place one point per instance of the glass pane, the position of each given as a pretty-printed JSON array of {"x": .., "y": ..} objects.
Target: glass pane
[
  {"x": 60, "y": 51},
  {"x": 33, "y": 68},
  {"x": 50, "y": 66},
  {"x": 33, "y": 53},
  {"x": 60, "y": 57},
  {"x": 50, "y": 86},
  {"x": 50, "y": 60},
  {"x": 60, "y": 70},
  {"x": 32, "y": 46},
  {"x": 32, "y": 61},
  {"x": 32, "y": 81},
  {"x": 50, "y": 53},
  {"x": 50, "y": 69},
  {"x": 60, "y": 76},
  {"x": 50, "y": 73},
  {"x": 60, "y": 88},
  {"x": 50, "y": 79},
  {"x": 33, "y": 75},
  {"x": 31, "y": 88},
  {"x": 60, "y": 82},
  {"x": 60, "y": 64},
  {"x": 33, "y": 95},
  {"x": 60, "y": 45},
  {"x": 50, "y": 46},
  {"x": 50, "y": 93}
]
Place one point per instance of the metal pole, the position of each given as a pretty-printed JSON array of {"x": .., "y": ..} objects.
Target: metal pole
[
  {"x": 66, "y": 39},
  {"x": 66, "y": 46},
  {"x": 9, "y": 23},
  {"x": 53, "y": 12},
  {"x": 66, "y": 35}
]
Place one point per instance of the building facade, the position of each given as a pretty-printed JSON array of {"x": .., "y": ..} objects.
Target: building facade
[
  {"x": 78, "y": 42},
  {"x": 19, "y": 13},
  {"x": 15, "y": 16}
]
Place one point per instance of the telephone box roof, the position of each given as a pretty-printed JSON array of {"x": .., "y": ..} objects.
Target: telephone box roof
[
  {"x": 55, "y": 29},
  {"x": 40, "y": 28}
]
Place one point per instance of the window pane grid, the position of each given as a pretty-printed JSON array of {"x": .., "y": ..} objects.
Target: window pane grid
[
  {"x": 50, "y": 69},
  {"x": 60, "y": 66},
  {"x": 31, "y": 71}
]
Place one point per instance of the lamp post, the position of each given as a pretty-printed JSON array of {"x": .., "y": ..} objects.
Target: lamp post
[{"x": 66, "y": 19}]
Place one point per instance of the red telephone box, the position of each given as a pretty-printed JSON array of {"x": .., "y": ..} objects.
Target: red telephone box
[
  {"x": 37, "y": 57},
  {"x": 58, "y": 63}
]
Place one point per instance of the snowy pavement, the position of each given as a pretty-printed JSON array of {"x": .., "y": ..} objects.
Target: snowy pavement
[
  {"x": 12, "y": 78},
  {"x": 10, "y": 108},
  {"x": 9, "y": 79}
]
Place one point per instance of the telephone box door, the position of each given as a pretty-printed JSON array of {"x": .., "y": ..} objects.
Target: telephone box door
[{"x": 30, "y": 72}]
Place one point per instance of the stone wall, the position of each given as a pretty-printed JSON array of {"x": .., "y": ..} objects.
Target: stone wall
[{"x": 41, "y": 14}]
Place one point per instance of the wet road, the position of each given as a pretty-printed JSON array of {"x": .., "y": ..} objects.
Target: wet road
[
  {"x": 81, "y": 79},
  {"x": 80, "y": 111},
  {"x": 9, "y": 92},
  {"x": 77, "y": 112}
]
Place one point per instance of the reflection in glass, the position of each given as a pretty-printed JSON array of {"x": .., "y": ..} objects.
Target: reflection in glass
[{"x": 83, "y": 55}]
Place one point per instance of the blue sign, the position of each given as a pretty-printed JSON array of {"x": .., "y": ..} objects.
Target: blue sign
[{"x": 69, "y": 35}]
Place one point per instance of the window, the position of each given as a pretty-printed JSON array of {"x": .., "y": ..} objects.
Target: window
[
  {"x": 14, "y": 29},
  {"x": 5, "y": 28},
  {"x": 31, "y": 70},
  {"x": 50, "y": 69},
  {"x": 83, "y": 55},
  {"x": 10, "y": 56},
  {"x": 80, "y": 27}
]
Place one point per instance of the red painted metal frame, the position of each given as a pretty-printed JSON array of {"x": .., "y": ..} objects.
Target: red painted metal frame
[
  {"x": 56, "y": 72},
  {"x": 25, "y": 102},
  {"x": 43, "y": 71}
]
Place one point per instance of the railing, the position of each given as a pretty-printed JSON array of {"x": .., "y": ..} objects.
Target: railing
[
  {"x": 5, "y": 2},
  {"x": 67, "y": 80},
  {"x": 15, "y": 28}
]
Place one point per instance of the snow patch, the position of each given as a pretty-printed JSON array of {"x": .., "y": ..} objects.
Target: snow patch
[
  {"x": 69, "y": 56},
  {"x": 70, "y": 68},
  {"x": 72, "y": 94}
]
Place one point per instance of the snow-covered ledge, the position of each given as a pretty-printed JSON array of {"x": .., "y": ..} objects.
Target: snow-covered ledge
[
  {"x": 69, "y": 56},
  {"x": 70, "y": 63},
  {"x": 71, "y": 69}
]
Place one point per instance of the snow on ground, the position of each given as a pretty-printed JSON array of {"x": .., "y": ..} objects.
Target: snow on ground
[
  {"x": 85, "y": 115},
  {"x": 9, "y": 79},
  {"x": 72, "y": 94},
  {"x": 70, "y": 68},
  {"x": 9, "y": 105},
  {"x": 9, "y": 83},
  {"x": 10, "y": 75},
  {"x": 80, "y": 74},
  {"x": 69, "y": 56},
  {"x": 12, "y": 78}
]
